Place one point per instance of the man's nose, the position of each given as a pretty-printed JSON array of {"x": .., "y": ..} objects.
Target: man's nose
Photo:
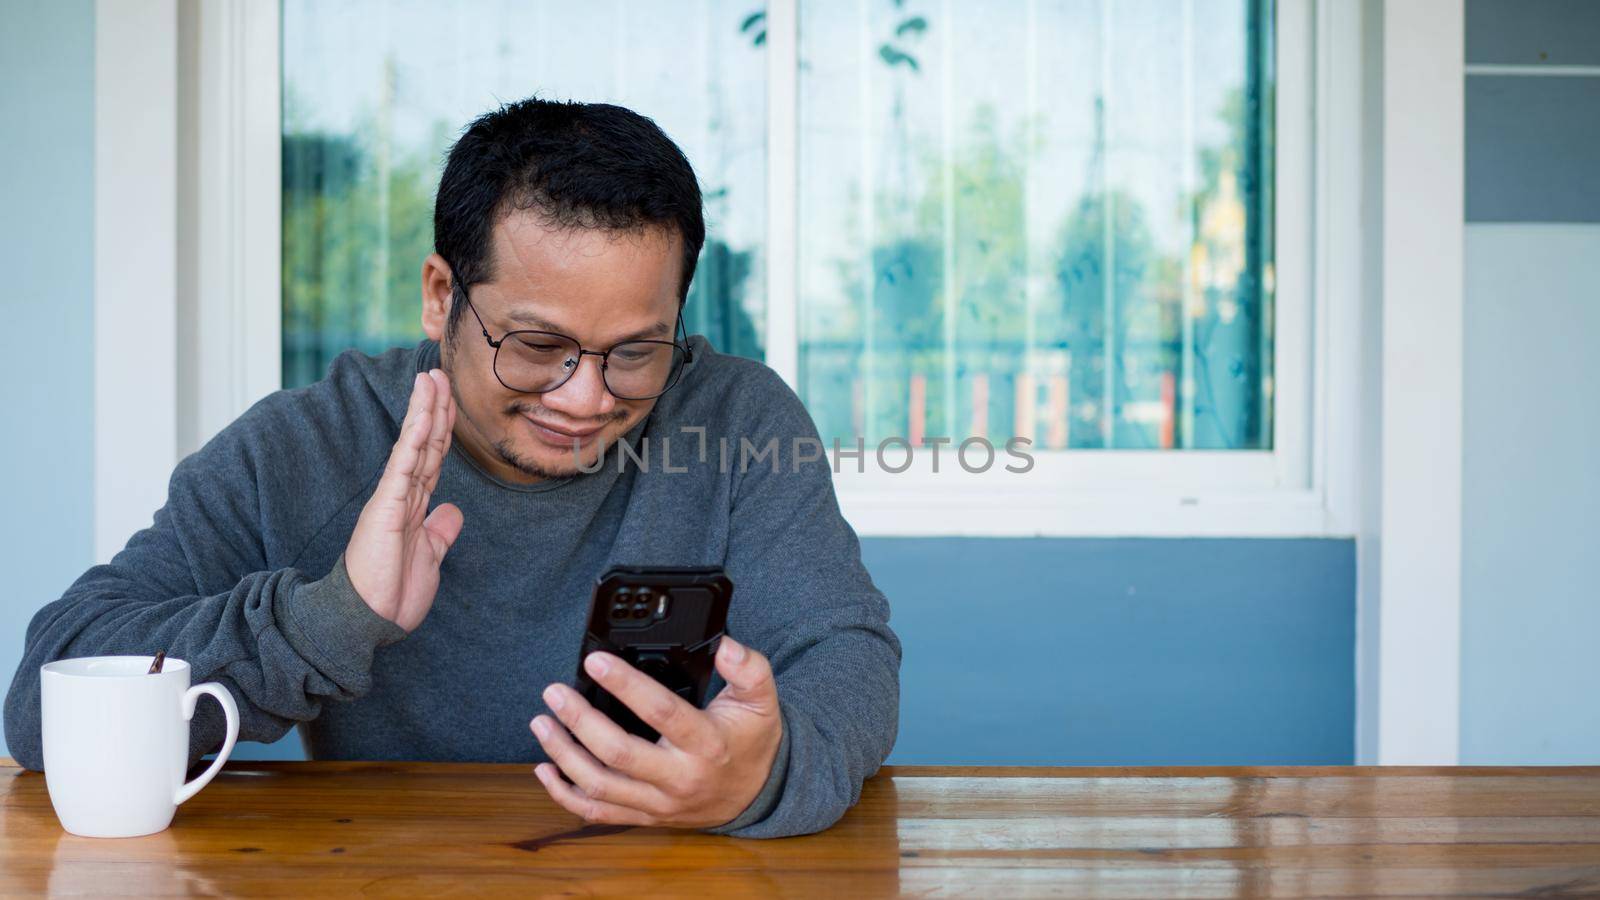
[{"x": 584, "y": 395}]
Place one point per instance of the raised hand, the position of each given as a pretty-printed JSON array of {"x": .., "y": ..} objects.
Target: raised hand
[{"x": 394, "y": 553}]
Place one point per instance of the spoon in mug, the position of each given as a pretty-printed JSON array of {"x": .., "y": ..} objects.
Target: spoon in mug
[{"x": 155, "y": 665}]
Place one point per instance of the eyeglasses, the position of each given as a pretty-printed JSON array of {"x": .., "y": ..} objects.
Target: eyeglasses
[{"x": 537, "y": 362}]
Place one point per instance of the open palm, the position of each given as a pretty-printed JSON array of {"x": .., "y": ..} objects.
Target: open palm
[{"x": 394, "y": 553}]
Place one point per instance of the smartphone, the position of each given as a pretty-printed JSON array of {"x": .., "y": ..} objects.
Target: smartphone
[{"x": 666, "y": 621}]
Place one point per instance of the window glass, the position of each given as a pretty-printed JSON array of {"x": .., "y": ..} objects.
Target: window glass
[
  {"x": 1041, "y": 219},
  {"x": 374, "y": 92}
]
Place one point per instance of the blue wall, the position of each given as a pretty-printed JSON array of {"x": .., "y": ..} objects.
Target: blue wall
[
  {"x": 47, "y": 230},
  {"x": 1530, "y": 608},
  {"x": 1055, "y": 651},
  {"x": 1036, "y": 651}
]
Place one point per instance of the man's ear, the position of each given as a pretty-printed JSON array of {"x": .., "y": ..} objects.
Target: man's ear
[{"x": 435, "y": 296}]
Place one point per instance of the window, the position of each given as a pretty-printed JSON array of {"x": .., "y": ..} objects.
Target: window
[
  {"x": 1041, "y": 219},
  {"x": 1073, "y": 221},
  {"x": 375, "y": 92}
]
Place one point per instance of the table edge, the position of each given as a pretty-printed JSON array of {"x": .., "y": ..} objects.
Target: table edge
[{"x": 10, "y": 766}]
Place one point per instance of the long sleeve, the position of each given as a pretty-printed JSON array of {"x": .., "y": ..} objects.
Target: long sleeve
[
  {"x": 197, "y": 584},
  {"x": 803, "y": 597}
]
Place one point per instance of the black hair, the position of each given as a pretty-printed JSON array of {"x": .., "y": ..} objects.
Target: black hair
[{"x": 577, "y": 165}]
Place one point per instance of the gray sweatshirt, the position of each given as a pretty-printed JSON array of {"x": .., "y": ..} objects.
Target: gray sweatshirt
[{"x": 241, "y": 575}]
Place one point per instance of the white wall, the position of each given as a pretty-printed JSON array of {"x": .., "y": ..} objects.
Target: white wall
[
  {"x": 1530, "y": 673},
  {"x": 1530, "y": 607}
]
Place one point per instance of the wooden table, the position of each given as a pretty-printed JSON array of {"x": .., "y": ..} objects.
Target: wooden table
[{"x": 413, "y": 828}]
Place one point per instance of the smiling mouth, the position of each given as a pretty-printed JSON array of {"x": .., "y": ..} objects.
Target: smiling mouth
[{"x": 562, "y": 436}]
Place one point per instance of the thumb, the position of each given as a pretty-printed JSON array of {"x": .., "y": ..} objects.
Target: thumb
[
  {"x": 443, "y": 526},
  {"x": 748, "y": 674}
]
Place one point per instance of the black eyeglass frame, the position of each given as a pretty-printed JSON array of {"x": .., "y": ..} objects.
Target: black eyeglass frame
[{"x": 605, "y": 355}]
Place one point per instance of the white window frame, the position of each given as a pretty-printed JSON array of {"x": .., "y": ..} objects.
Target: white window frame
[
  {"x": 1285, "y": 491},
  {"x": 230, "y": 122},
  {"x": 1304, "y": 486}
]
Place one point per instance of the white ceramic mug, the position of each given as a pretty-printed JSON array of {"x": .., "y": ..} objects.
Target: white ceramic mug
[{"x": 116, "y": 742}]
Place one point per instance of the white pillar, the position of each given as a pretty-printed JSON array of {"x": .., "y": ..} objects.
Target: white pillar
[{"x": 1419, "y": 628}]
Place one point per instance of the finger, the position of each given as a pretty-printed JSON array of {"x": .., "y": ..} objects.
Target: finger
[
  {"x": 436, "y": 425},
  {"x": 605, "y": 739},
  {"x": 749, "y": 677},
  {"x": 443, "y": 526},
  {"x": 439, "y": 432},
  {"x": 666, "y": 712},
  {"x": 407, "y": 453},
  {"x": 584, "y": 807},
  {"x": 598, "y": 782},
  {"x": 450, "y": 412}
]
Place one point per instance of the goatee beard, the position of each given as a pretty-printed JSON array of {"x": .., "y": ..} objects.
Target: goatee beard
[{"x": 508, "y": 455}]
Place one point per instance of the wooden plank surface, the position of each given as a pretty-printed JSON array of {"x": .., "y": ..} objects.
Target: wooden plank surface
[{"x": 475, "y": 830}]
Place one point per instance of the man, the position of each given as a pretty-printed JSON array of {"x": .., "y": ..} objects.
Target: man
[{"x": 398, "y": 559}]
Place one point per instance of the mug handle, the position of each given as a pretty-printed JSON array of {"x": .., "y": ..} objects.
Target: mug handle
[{"x": 229, "y": 709}]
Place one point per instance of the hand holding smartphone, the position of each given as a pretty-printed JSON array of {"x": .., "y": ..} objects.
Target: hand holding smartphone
[{"x": 665, "y": 621}]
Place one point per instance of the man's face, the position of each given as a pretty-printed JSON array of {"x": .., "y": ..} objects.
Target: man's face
[{"x": 598, "y": 287}]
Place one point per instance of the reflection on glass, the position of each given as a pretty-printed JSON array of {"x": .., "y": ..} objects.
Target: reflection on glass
[
  {"x": 374, "y": 92},
  {"x": 1041, "y": 219}
]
